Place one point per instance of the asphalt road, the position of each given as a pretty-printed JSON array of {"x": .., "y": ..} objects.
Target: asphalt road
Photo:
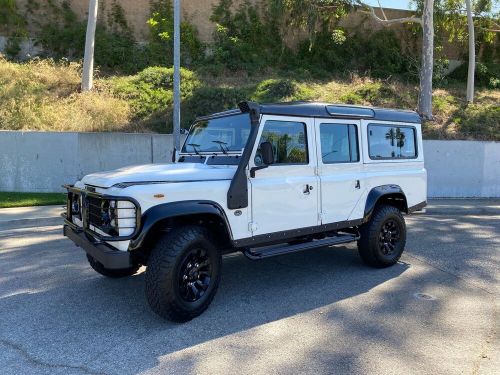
[{"x": 318, "y": 312}]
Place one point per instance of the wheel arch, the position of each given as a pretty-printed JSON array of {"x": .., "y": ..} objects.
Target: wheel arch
[
  {"x": 391, "y": 195},
  {"x": 160, "y": 217}
]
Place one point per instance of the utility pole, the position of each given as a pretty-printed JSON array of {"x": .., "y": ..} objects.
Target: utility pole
[
  {"x": 88, "y": 60},
  {"x": 177, "y": 75}
]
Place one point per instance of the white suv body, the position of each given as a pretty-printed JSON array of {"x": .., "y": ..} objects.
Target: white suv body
[{"x": 263, "y": 179}]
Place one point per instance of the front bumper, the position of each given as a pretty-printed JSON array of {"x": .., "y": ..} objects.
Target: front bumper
[{"x": 100, "y": 251}]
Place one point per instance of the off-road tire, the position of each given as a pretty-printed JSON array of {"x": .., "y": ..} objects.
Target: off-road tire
[
  {"x": 371, "y": 243},
  {"x": 164, "y": 272},
  {"x": 114, "y": 274}
]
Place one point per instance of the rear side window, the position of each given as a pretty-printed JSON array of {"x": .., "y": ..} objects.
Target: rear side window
[
  {"x": 339, "y": 143},
  {"x": 289, "y": 142},
  {"x": 391, "y": 142}
]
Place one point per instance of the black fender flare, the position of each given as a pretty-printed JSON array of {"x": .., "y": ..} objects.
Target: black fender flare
[
  {"x": 158, "y": 213},
  {"x": 377, "y": 193}
]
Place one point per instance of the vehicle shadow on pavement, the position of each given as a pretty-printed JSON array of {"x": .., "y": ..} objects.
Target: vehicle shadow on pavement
[{"x": 63, "y": 310}]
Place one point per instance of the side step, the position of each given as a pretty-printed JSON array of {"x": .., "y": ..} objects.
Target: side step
[{"x": 271, "y": 251}]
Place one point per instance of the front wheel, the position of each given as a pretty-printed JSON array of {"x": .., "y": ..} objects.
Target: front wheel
[
  {"x": 183, "y": 274},
  {"x": 383, "y": 238}
]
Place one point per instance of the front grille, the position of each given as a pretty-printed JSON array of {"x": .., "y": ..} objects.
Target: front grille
[{"x": 107, "y": 217}]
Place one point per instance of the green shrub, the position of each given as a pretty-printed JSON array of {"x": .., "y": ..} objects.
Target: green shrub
[
  {"x": 247, "y": 39},
  {"x": 161, "y": 27},
  {"x": 273, "y": 90},
  {"x": 150, "y": 91},
  {"x": 13, "y": 25},
  {"x": 486, "y": 75},
  {"x": 380, "y": 54},
  {"x": 480, "y": 121},
  {"x": 280, "y": 90},
  {"x": 351, "y": 98},
  {"x": 207, "y": 100},
  {"x": 115, "y": 48}
]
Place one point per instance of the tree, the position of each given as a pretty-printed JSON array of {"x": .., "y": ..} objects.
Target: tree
[
  {"x": 307, "y": 13},
  {"x": 426, "y": 70},
  {"x": 469, "y": 20},
  {"x": 88, "y": 60},
  {"x": 472, "y": 53}
]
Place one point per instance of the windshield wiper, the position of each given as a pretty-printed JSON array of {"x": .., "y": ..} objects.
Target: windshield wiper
[
  {"x": 221, "y": 145},
  {"x": 195, "y": 148}
]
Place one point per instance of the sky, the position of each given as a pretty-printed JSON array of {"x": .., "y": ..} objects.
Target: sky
[{"x": 396, "y": 4}]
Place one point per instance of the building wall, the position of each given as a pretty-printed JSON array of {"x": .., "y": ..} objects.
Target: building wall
[{"x": 42, "y": 162}]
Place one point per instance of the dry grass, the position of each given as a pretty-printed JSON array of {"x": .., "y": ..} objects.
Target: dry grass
[{"x": 43, "y": 95}]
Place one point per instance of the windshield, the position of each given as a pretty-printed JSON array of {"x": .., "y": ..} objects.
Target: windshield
[{"x": 219, "y": 135}]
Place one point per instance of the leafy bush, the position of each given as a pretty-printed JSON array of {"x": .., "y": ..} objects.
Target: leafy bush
[
  {"x": 13, "y": 25},
  {"x": 150, "y": 91},
  {"x": 246, "y": 39},
  {"x": 160, "y": 46},
  {"x": 480, "y": 121},
  {"x": 207, "y": 100},
  {"x": 380, "y": 54},
  {"x": 280, "y": 90},
  {"x": 115, "y": 47},
  {"x": 351, "y": 98},
  {"x": 150, "y": 94},
  {"x": 486, "y": 75}
]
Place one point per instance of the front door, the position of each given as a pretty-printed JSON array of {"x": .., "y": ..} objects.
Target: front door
[
  {"x": 285, "y": 195},
  {"x": 340, "y": 168}
]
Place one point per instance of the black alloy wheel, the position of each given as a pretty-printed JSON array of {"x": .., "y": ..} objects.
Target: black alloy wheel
[
  {"x": 383, "y": 238},
  {"x": 195, "y": 275},
  {"x": 389, "y": 237}
]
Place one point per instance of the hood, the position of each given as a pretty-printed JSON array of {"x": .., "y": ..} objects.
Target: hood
[{"x": 179, "y": 172}]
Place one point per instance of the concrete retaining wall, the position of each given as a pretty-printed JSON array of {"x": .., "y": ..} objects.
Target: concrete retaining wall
[
  {"x": 42, "y": 162},
  {"x": 39, "y": 161},
  {"x": 462, "y": 168}
]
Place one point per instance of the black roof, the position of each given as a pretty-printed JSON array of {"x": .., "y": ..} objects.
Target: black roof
[{"x": 326, "y": 110}]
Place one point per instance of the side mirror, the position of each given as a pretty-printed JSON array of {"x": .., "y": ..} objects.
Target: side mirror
[
  {"x": 267, "y": 155},
  {"x": 266, "y": 150}
]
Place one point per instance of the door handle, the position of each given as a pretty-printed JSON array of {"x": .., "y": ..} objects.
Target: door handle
[
  {"x": 358, "y": 185},
  {"x": 307, "y": 189}
]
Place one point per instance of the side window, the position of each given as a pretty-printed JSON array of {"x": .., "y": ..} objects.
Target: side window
[
  {"x": 289, "y": 142},
  {"x": 339, "y": 143},
  {"x": 391, "y": 142}
]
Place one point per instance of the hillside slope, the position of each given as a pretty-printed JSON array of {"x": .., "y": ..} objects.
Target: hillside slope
[{"x": 43, "y": 95}]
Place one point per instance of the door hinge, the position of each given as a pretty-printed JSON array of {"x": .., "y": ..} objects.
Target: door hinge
[
  {"x": 316, "y": 171},
  {"x": 321, "y": 217},
  {"x": 252, "y": 227}
]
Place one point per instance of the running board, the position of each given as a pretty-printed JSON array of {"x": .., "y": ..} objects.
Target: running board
[{"x": 267, "y": 252}]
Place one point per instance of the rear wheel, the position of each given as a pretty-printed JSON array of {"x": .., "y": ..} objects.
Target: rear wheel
[
  {"x": 383, "y": 238},
  {"x": 115, "y": 274},
  {"x": 183, "y": 274}
]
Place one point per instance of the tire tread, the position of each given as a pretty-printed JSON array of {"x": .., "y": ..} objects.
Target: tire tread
[
  {"x": 161, "y": 271},
  {"x": 369, "y": 236}
]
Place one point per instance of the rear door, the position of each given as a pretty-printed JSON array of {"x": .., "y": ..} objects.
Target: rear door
[
  {"x": 285, "y": 195},
  {"x": 340, "y": 167}
]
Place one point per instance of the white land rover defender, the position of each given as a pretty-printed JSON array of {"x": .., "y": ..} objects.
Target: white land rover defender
[{"x": 265, "y": 180}]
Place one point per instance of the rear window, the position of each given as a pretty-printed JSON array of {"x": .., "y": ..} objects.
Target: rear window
[{"x": 391, "y": 142}]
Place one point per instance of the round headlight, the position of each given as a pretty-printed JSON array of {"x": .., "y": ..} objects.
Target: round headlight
[{"x": 75, "y": 205}]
